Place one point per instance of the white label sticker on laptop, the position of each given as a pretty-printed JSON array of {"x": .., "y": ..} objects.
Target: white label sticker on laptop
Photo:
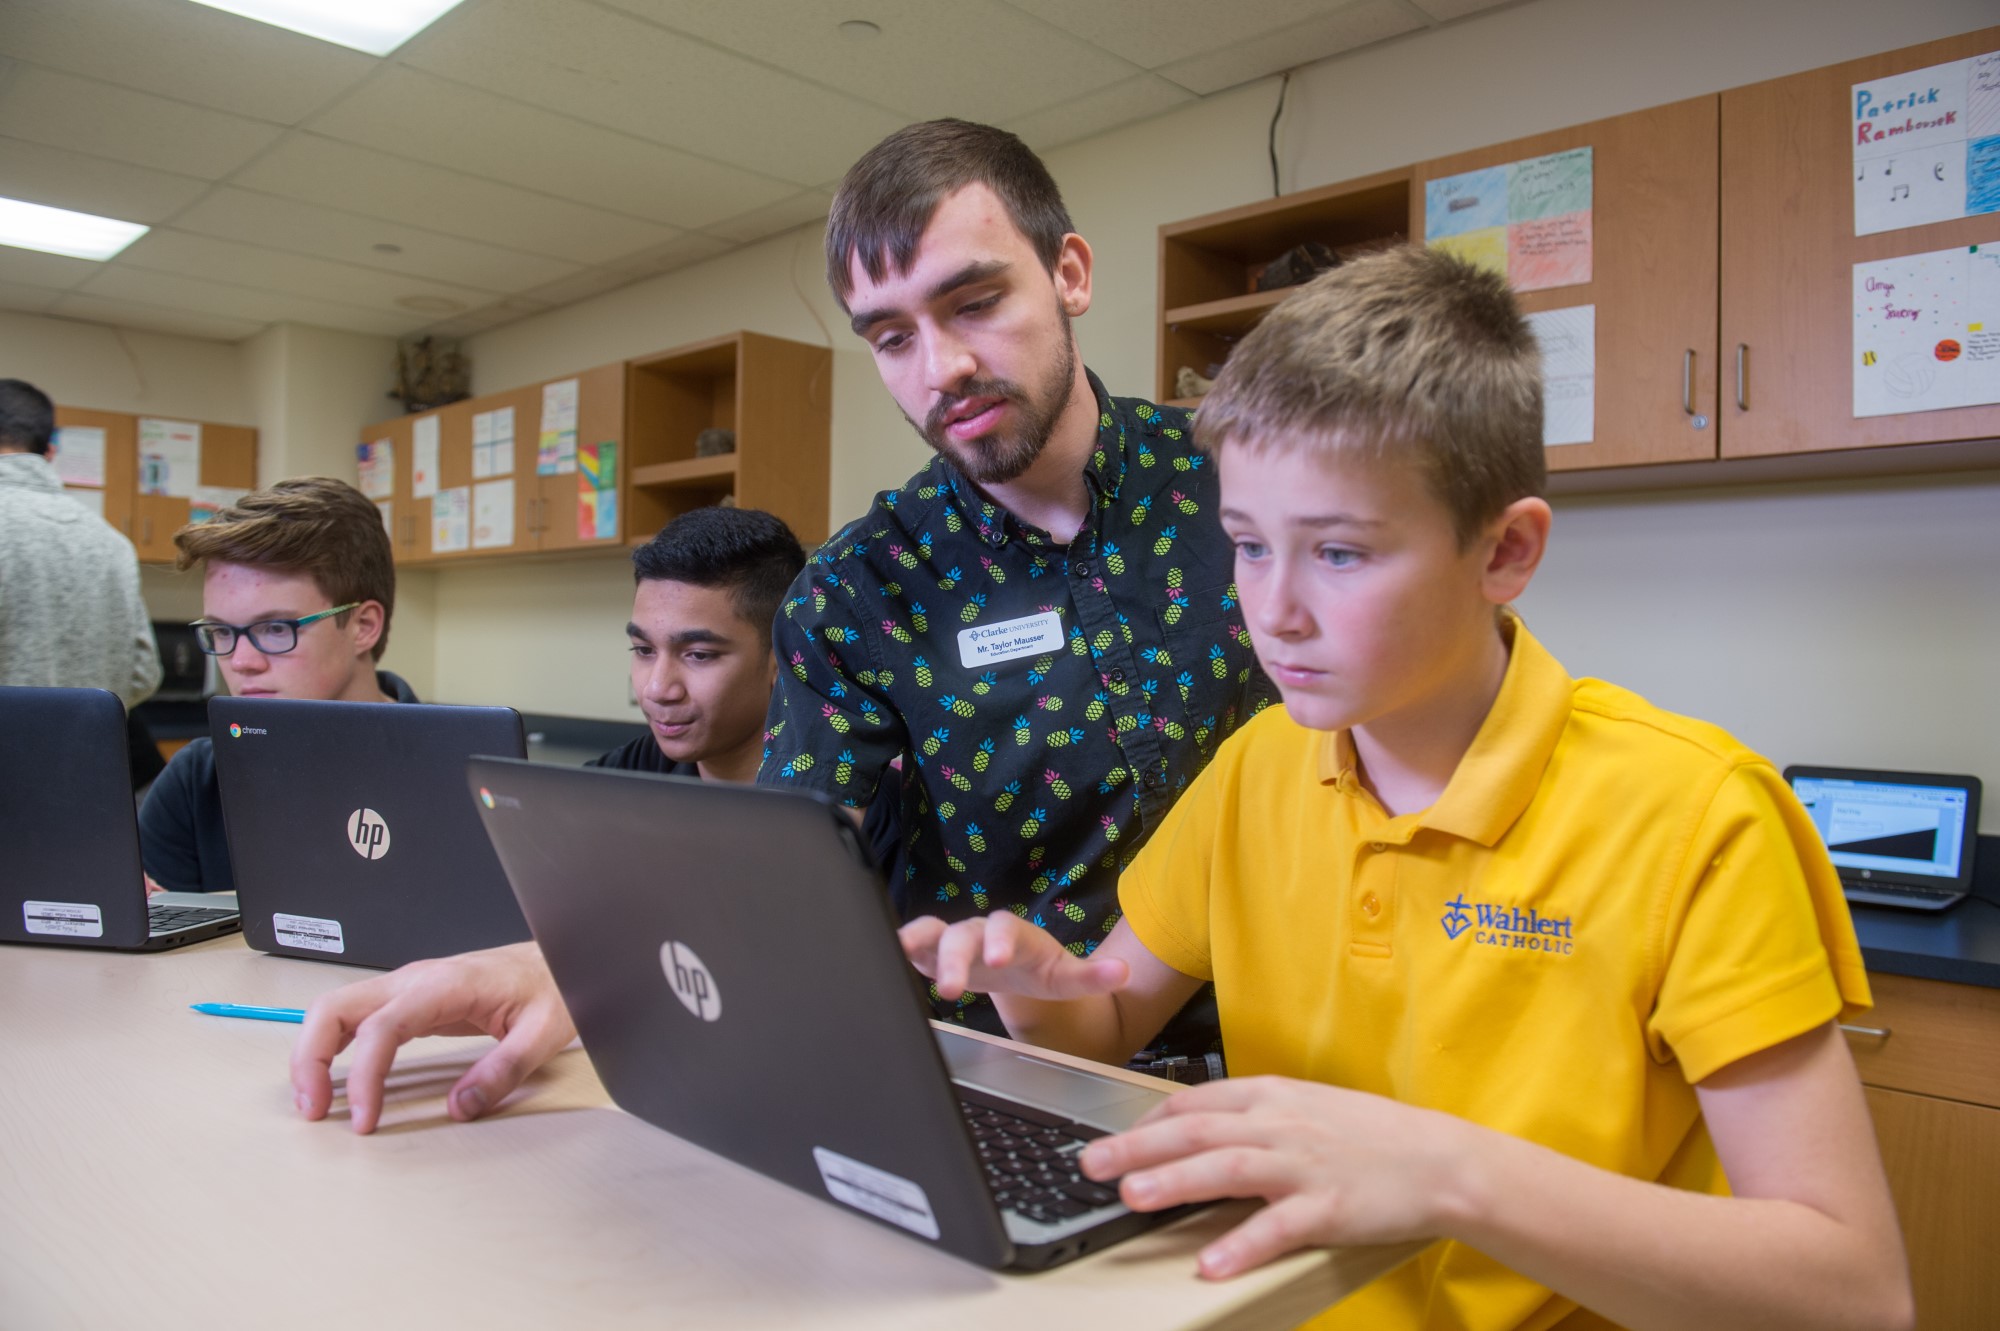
[
  {"x": 69, "y": 919},
  {"x": 1033, "y": 635},
  {"x": 307, "y": 932},
  {"x": 878, "y": 1192}
]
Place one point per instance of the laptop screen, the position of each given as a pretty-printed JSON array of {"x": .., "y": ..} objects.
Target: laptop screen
[{"x": 1886, "y": 826}]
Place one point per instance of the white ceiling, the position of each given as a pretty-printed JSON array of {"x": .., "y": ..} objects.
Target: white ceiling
[{"x": 522, "y": 154}]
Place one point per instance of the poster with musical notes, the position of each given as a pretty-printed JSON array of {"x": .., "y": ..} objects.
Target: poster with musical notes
[
  {"x": 1927, "y": 145},
  {"x": 1927, "y": 331}
]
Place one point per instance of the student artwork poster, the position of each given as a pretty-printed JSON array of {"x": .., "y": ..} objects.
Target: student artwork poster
[
  {"x": 1926, "y": 145},
  {"x": 1927, "y": 331},
  {"x": 1529, "y": 221}
]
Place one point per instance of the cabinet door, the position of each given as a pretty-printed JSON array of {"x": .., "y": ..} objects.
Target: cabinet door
[
  {"x": 564, "y": 519},
  {"x": 121, "y": 459},
  {"x": 1788, "y": 256},
  {"x": 1653, "y": 278},
  {"x": 783, "y": 445},
  {"x": 155, "y": 519},
  {"x": 408, "y": 518},
  {"x": 454, "y": 477},
  {"x": 1942, "y": 1158}
]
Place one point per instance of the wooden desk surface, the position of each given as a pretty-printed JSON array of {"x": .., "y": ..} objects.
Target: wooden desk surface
[{"x": 154, "y": 1172}]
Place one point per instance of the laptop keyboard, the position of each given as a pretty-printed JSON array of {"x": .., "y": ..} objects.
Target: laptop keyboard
[
  {"x": 167, "y": 919},
  {"x": 1030, "y": 1158}
]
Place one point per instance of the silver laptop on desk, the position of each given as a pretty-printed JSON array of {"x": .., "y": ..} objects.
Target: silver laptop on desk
[
  {"x": 731, "y": 960},
  {"x": 69, "y": 833}
]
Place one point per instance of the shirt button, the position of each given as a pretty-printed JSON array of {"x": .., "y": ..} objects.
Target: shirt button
[
  {"x": 1378, "y": 846},
  {"x": 1371, "y": 905},
  {"x": 1152, "y": 780},
  {"x": 1083, "y": 569},
  {"x": 1116, "y": 677}
]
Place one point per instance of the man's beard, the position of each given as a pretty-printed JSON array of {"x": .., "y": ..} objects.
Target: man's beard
[{"x": 995, "y": 459}]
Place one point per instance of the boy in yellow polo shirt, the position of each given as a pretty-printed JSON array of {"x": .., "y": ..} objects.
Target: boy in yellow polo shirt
[{"x": 1504, "y": 958}]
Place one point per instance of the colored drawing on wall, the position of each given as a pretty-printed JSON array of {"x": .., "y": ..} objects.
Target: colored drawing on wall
[
  {"x": 493, "y": 443},
  {"x": 1529, "y": 221},
  {"x": 424, "y": 457},
  {"x": 170, "y": 457},
  {"x": 556, "y": 455},
  {"x": 597, "y": 492},
  {"x": 1568, "y": 339},
  {"x": 451, "y": 520},
  {"x": 1926, "y": 145},
  {"x": 493, "y": 514},
  {"x": 78, "y": 455},
  {"x": 375, "y": 463},
  {"x": 1927, "y": 331}
]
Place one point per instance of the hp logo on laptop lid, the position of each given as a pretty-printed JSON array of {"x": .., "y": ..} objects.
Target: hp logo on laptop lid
[
  {"x": 691, "y": 982},
  {"x": 368, "y": 834}
]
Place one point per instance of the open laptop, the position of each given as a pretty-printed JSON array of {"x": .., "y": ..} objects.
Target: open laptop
[
  {"x": 1896, "y": 838},
  {"x": 731, "y": 960},
  {"x": 347, "y": 834},
  {"x": 69, "y": 833}
]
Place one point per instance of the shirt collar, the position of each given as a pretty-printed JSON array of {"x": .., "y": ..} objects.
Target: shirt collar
[
  {"x": 1501, "y": 771},
  {"x": 30, "y": 471}
]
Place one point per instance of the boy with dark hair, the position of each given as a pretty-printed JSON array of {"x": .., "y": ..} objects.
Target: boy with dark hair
[
  {"x": 1505, "y": 958},
  {"x": 298, "y": 586}
]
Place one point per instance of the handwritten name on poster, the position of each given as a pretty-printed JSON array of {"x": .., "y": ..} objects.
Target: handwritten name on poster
[{"x": 1927, "y": 145}]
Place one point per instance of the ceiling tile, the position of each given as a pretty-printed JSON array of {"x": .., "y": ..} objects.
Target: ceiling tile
[
  {"x": 977, "y": 59},
  {"x": 1151, "y": 33},
  {"x": 1446, "y": 10},
  {"x": 1107, "y": 108},
  {"x": 171, "y": 291},
  {"x": 190, "y": 53},
  {"x": 57, "y": 272},
  {"x": 63, "y": 179},
  {"x": 613, "y": 70},
  {"x": 167, "y": 250},
  {"x": 413, "y": 114},
  {"x": 303, "y": 228},
  {"x": 811, "y": 206},
  {"x": 340, "y": 175},
  {"x": 1343, "y": 30},
  {"x": 676, "y": 253},
  {"x": 25, "y": 299},
  {"x": 64, "y": 111},
  {"x": 154, "y": 318}
]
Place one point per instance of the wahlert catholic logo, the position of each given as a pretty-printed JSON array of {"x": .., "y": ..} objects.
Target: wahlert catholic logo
[
  {"x": 691, "y": 982},
  {"x": 368, "y": 834},
  {"x": 1508, "y": 926}
]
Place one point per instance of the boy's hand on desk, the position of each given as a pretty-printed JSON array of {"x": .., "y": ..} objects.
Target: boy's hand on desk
[
  {"x": 505, "y": 992},
  {"x": 1003, "y": 953},
  {"x": 1336, "y": 1166}
]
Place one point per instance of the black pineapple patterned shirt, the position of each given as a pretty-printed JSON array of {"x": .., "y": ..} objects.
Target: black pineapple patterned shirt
[{"x": 1048, "y": 703}]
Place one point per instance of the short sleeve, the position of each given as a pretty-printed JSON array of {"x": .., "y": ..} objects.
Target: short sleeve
[
  {"x": 830, "y": 727},
  {"x": 1165, "y": 892},
  {"x": 1758, "y": 944}
]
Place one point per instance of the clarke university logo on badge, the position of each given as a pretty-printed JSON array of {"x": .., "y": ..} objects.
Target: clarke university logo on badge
[
  {"x": 368, "y": 834},
  {"x": 691, "y": 982},
  {"x": 1509, "y": 927}
]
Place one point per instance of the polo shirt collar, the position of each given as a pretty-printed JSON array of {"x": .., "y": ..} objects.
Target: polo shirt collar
[{"x": 1500, "y": 773}]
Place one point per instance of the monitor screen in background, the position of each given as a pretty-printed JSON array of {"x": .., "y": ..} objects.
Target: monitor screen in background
[{"x": 1880, "y": 825}]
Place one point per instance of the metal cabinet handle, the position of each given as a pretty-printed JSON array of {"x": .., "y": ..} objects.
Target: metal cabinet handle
[
  {"x": 1742, "y": 377},
  {"x": 1878, "y": 1032},
  {"x": 1687, "y": 382}
]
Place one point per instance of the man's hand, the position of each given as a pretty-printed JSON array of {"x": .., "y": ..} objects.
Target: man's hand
[
  {"x": 1003, "y": 953},
  {"x": 1336, "y": 1166},
  {"x": 505, "y": 992},
  {"x": 153, "y": 889}
]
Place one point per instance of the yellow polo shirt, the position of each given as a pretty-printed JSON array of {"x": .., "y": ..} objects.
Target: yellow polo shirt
[{"x": 1607, "y": 904}]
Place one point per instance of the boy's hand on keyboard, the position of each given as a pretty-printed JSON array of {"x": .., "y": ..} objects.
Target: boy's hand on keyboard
[
  {"x": 152, "y": 888},
  {"x": 1003, "y": 953}
]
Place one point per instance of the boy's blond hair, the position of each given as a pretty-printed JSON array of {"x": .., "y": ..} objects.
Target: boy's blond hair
[{"x": 1409, "y": 353}]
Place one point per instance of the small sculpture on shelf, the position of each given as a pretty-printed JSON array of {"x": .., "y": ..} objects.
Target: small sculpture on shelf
[
  {"x": 430, "y": 375},
  {"x": 1189, "y": 383},
  {"x": 714, "y": 442},
  {"x": 1297, "y": 265}
]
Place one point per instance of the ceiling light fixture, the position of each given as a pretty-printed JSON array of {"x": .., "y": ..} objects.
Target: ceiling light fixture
[
  {"x": 385, "y": 247},
  {"x": 34, "y": 226},
  {"x": 375, "y": 26},
  {"x": 860, "y": 30}
]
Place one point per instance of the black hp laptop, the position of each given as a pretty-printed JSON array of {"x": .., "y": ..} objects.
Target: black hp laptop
[
  {"x": 731, "y": 960},
  {"x": 347, "y": 833},
  {"x": 69, "y": 833},
  {"x": 1896, "y": 838}
]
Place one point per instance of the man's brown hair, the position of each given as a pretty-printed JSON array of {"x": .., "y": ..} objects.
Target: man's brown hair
[
  {"x": 1411, "y": 354},
  {"x": 887, "y": 198},
  {"x": 312, "y": 525}
]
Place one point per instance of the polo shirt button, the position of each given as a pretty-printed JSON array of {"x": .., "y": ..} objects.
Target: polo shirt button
[
  {"x": 1378, "y": 846},
  {"x": 1371, "y": 905}
]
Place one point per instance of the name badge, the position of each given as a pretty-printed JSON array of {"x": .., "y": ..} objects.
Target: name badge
[{"x": 1034, "y": 635}]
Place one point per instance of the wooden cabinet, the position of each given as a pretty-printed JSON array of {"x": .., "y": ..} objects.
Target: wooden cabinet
[
  {"x": 776, "y": 395},
  {"x": 1653, "y": 278},
  {"x": 1926, "y": 1053},
  {"x": 228, "y": 459},
  {"x": 542, "y": 512},
  {"x": 1788, "y": 254}
]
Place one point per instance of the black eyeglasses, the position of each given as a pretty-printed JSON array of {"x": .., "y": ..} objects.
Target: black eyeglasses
[{"x": 273, "y": 637}]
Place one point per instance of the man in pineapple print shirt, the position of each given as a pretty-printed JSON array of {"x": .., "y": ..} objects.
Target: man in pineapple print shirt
[{"x": 1040, "y": 623}]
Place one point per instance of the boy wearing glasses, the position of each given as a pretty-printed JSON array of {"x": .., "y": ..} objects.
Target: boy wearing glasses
[{"x": 298, "y": 583}]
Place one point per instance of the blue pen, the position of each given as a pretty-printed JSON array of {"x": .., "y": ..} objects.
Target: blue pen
[{"x": 254, "y": 1013}]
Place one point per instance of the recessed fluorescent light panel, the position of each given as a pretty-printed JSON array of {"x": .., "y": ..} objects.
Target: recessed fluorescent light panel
[
  {"x": 33, "y": 226},
  {"x": 375, "y": 26}
]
